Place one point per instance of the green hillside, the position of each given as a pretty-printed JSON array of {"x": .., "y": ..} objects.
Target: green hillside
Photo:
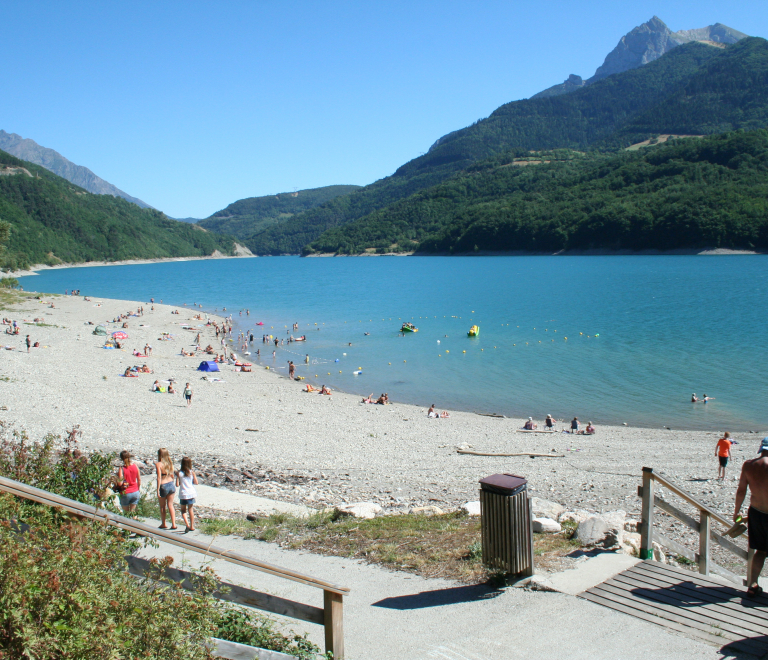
[
  {"x": 687, "y": 193},
  {"x": 693, "y": 89},
  {"x": 54, "y": 221},
  {"x": 253, "y": 215}
]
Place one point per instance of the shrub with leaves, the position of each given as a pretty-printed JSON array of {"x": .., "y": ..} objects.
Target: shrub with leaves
[{"x": 64, "y": 593}]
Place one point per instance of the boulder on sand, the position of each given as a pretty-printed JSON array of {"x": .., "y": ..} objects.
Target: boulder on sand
[
  {"x": 359, "y": 509},
  {"x": 545, "y": 508},
  {"x": 591, "y": 531},
  {"x": 428, "y": 510},
  {"x": 546, "y": 526},
  {"x": 471, "y": 508}
]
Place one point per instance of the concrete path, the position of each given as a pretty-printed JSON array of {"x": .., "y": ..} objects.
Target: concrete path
[
  {"x": 392, "y": 615},
  {"x": 229, "y": 500}
]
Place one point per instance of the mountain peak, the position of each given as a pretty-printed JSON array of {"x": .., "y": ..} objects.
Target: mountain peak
[{"x": 641, "y": 45}]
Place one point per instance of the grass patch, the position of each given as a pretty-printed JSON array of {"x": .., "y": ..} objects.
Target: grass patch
[
  {"x": 148, "y": 506},
  {"x": 446, "y": 546},
  {"x": 40, "y": 324}
]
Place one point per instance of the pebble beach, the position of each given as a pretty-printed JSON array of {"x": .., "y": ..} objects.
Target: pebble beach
[{"x": 259, "y": 432}]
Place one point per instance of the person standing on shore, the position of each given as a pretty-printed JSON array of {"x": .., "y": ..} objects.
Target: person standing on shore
[
  {"x": 166, "y": 486},
  {"x": 723, "y": 453},
  {"x": 291, "y": 369},
  {"x": 575, "y": 425},
  {"x": 754, "y": 477},
  {"x": 186, "y": 480},
  {"x": 188, "y": 394},
  {"x": 29, "y": 343}
]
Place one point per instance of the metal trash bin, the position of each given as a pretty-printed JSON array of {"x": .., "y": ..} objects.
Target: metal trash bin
[{"x": 506, "y": 523}]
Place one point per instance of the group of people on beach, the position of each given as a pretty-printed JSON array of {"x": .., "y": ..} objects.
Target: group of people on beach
[
  {"x": 549, "y": 424},
  {"x": 127, "y": 482}
]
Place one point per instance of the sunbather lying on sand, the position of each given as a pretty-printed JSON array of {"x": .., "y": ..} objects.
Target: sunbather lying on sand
[
  {"x": 129, "y": 374},
  {"x": 326, "y": 390},
  {"x": 370, "y": 399}
]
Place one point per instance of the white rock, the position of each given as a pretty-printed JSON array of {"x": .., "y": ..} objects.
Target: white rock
[
  {"x": 428, "y": 510},
  {"x": 578, "y": 516},
  {"x": 545, "y": 508},
  {"x": 471, "y": 508},
  {"x": 631, "y": 544},
  {"x": 546, "y": 526},
  {"x": 615, "y": 521},
  {"x": 658, "y": 553},
  {"x": 591, "y": 531},
  {"x": 359, "y": 509},
  {"x": 632, "y": 526}
]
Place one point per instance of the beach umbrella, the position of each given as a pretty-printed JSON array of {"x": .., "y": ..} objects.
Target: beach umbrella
[{"x": 120, "y": 335}]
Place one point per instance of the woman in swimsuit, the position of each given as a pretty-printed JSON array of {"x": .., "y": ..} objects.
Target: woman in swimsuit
[{"x": 166, "y": 486}]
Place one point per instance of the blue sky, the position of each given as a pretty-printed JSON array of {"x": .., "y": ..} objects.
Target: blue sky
[{"x": 193, "y": 105}]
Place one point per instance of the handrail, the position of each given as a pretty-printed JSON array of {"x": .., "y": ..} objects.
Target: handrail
[
  {"x": 128, "y": 524},
  {"x": 332, "y": 610},
  {"x": 703, "y": 526},
  {"x": 688, "y": 498}
]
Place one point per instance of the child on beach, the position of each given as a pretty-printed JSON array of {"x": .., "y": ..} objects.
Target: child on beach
[
  {"x": 188, "y": 394},
  {"x": 166, "y": 486},
  {"x": 186, "y": 480}
]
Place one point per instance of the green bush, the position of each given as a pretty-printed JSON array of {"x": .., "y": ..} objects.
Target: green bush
[
  {"x": 64, "y": 589},
  {"x": 8, "y": 282}
]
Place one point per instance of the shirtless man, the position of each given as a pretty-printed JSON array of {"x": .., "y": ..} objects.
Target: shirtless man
[{"x": 754, "y": 476}]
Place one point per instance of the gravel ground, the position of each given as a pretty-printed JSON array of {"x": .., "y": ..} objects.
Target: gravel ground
[{"x": 314, "y": 449}]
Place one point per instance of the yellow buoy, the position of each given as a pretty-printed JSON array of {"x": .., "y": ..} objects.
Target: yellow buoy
[
  {"x": 463, "y": 351},
  {"x": 447, "y": 351}
]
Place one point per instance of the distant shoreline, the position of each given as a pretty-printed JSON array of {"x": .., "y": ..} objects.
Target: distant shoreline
[
  {"x": 33, "y": 270},
  {"x": 562, "y": 253}
]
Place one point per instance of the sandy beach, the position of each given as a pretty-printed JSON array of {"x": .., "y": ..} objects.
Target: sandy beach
[{"x": 308, "y": 448}]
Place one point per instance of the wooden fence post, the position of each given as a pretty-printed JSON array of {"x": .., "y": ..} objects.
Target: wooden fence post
[
  {"x": 646, "y": 524},
  {"x": 334, "y": 624},
  {"x": 704, "y": 544}
]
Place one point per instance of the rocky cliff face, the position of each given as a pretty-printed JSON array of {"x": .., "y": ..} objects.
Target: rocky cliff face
[
  {"x": 644, "y": 44},
  {"x": 29, "y": 150}
]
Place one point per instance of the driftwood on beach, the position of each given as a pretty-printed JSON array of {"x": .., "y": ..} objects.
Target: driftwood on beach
[{"x": 526, "y": 453}]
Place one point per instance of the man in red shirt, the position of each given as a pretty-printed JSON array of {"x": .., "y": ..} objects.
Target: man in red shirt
[{"x": 723, "y": 453}]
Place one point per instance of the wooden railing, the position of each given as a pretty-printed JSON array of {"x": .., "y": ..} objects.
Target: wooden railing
[
  {"x": 703, "y": 526},
  {"x": 331, "y": 615}
]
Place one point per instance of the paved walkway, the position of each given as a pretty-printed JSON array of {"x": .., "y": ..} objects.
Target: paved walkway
[{"x": 392, "y": 615}]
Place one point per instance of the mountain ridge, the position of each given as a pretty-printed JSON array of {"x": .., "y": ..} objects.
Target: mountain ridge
[{"x": 30, "y": 151}]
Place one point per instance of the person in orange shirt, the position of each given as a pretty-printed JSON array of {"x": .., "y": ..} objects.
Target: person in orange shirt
[{"x": 723, "y": 453}]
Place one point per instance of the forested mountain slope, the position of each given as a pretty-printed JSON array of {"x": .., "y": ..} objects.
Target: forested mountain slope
[
  {"x": 52, "y": 220},
  {"x": 688, "y": 193},
  {"x": 248, "y": 216},
  {"x": 703, "y": 88}
]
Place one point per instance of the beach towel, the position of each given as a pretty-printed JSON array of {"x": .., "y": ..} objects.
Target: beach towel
[{"x": 208, "y": 366}]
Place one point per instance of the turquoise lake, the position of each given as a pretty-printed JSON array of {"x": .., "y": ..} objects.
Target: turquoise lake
[{"x": 643, "y": 332}]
